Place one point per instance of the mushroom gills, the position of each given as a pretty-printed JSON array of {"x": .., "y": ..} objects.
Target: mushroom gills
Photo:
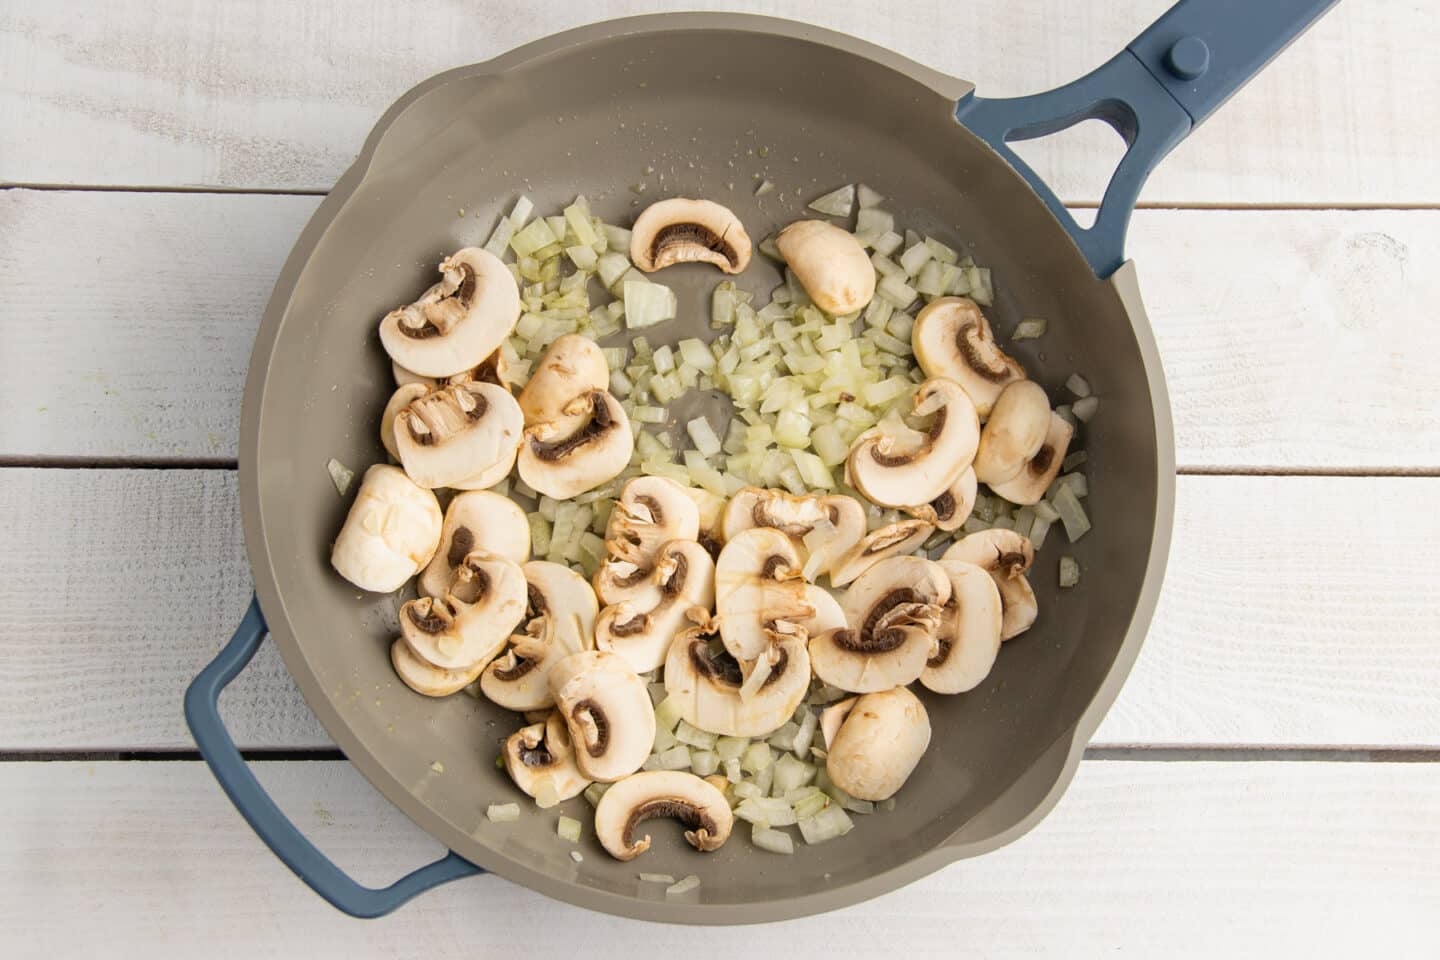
[
  {"x": 457, "y": 323},
  {"x": 685, "y": 577},
  {"x": 888, "y": 541},
  {"x": 894, "y": 477},
  {"x": 708, "y": 685},
  {"x": 680, "y": 230},
  {"x": 699, "y": 805},
  {"x": 952, "y": 339},
  {"x": 476, "y": 520},
  {"x": 462, "y": 434},
  {"x": 970, "y": 630},
  {"x": 540, "y": 758},
  {"x": 608, "y": 711},
  {"x": 565, "y": 466}
]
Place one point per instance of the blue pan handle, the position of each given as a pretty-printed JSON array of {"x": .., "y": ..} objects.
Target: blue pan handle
[
  {"x": 1153, "y": 93},
  {"x": 202, "y": 713}
]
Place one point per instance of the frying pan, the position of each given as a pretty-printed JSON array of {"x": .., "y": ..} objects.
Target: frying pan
[{"x": 707, "y": 101}]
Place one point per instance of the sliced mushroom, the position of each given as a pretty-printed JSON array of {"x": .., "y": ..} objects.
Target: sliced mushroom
[
  {"x": 828, "y": 615},
  {"x": 689, "y": 231},
  {"x": 840, "y": 516},
  {"x": 572, "y": 366},
  {"x": 459, "y": 321},
  {"x": 757, "y": 590},
  {"x": 562, "y": 611},
  {"x": 476, "y": 520},
  {"x": 471, "y": 622},
  {"x": 951, "y": 509},
  {"x": 651, "y": 512},
  {"x": 953, "y": 339},
  {"x": 1014, "y": 432},
  {"x": 607, "y": 708},
  {"x": 424, "y": 677},
  {"x": 891, "y": 540},
  {"x": 1006, "y": 556},
  {"x": 565, "y": 466},
  {"x": 661, "y": 793},
  {"x": 391, "y": 531},
  {"x": 462, "y": 434},
  {"x": 711, "y": 509},
  {"x": 969, "y": 637},
  {"x": 685, "y": 575},
  {"x": 706, "y": 682},
  {"x": 541, "y": 760},
  {"x": 490, "y": 370},
  {"x": 896, "y": 478},
  {"x": 1030, "y": 484},
  {"x": 833, "y": 716},
  {"x": 893, "y": 613},
  {"x": 620, "y": 581},
  {"x": 879, "y": 744},
  {"x": 830, "y": 264},
  {"x": 403, "y": 396}
]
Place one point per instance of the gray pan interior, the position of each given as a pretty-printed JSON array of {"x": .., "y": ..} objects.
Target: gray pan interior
[{"x": 696, "y": 100}]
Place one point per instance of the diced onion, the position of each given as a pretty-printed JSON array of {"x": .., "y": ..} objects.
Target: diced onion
[
  {"x": 1072, "y": 515},
  {"x": 1085, "y": 408},
  {"x": 1074, "y": 460},
  {"x": 703, "y": 763},
  {"x": 656, "y": 878},
  {"x": 520, "y": 213},
  {"x": 1078, "y": 385},
  {"x": 731, "y": 748},
  {"x": 594, "y": 792},
  {"x": 771, "y": 841},
  {"x": 1030, "y": 328},
  {"x": 503, "y": 812},
  {"x": 683, "y": 886},
  {"x": 569, "y": 829},
  {"x": 694, "y": 736},
  {"x": 340, "y": 475},
  {"x": 1069, "y": 572},
  {"x": 836, "y": 203},
  {"x": 829, "y": 823}
]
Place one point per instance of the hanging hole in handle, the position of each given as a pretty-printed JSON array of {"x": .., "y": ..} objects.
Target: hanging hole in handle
[{"x": 1077, "y": 161}]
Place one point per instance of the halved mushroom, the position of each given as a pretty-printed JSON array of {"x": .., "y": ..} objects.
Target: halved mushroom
[
  {"x": 459, "y": 321},
  {"x": 541, "y": 760},
  {"x": 661, "y": 793},
  {"x": 424, "y": 677},
  {"x": 650, "y": 513},
  {"x": 758, "y": 590},
  {"x": 462, "y": 434},
  {"x": 607, "y": 708},
  {"x": 391, "y": 531},
  {"x": 562, "y": 612},
  {"x": 476, "y": 520},
  {"x": 901, "y": 477},
  {"x": 572, "y": 366},
  {"x": 839, "y": 517},
  {"x": 879, "y": 744},
  {"x": 403, "y": 396},
  {"x": 708, "y": 685},
  {"x": 891, "y": 540},
  {"x": 951, "y": 509},
  {"x": 1013, "y": 433},
  {"x": 1030, "y": 484},
  {"x": 565, "y": 466},
  {"x": 711, "y": 508},
  {"x": 685, "y": 575},
  {"x": 689, "y": 231},
  {"x": 952, "y": 339},
  {"x": 893, "y": 613},
  {"x": 969, "y": 637},
  {"x": 1005, "y": 555},
  {"x": 472, "y": 621},
  {"x": 830, "y": 264}
]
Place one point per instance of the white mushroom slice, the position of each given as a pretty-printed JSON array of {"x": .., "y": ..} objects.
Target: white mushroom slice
[
  {"x": 1005, "y": 555},
  {"x": 891, "y": 540},
  {"x": 572, "y": 366},
  {"x": 476, "y": 520},
  {"x": 707, "y": 685},
  {"x": 651, "y": 512},
  {"x": 424, "y": 677},
  {"x": 893, "y": 613},
  {"x": 1013, "y": 433},
  {"x": 459, "y": 433},
  {"x": 391, "y": 531},
  {"x": 472, "y": 621},
  {"x": 879, "y": 744},
  {"x": 685, "y": 575},
  {"x": 897, "y": 477},
  {"x": 1030, "y": 484},
  {"x": 952, "y": 339},
  {"x": 541, "y": 760},
  {"x": 562, "y": 612},
  {"x": 490, "y": 370},
  {"x": 565, "y": 466},
  {"x": 969, "y": 637},
  {"x": 689, "y": 231},
  {"x": 700, "y": 806},
  {"x": 830, "y": 264},
  {"x": 459, "y": 321},
  {"x": 711, "y": 508},
  {"x": 620, "y": 581},
  {"x": 403, "y": 396},
  {"x": 757, "y": 590},
  {"x": 951, "y": 509},
  {"x": 832, "y": 717},
  {"x": 841, "y": 518},
  {"x": 607, "y": 708},
  {"x": 828, "y": 615}
]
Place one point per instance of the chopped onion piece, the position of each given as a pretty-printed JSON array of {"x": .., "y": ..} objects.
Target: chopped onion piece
[
  {"x": 594, "y": 792},
  {"x": 577, "y": 856},
  {"x": 941, "y": 252},
  {"x": 745, "y": 790},
  {"x": 757, "y": 757},
  {"x": 1078, "y": 385},
  {"x": 647, "y": 304},
  {"x": 1044, "y": 511},
  {"x": 759, "y": 673},
  {"x": 914, "y": 258},
  {"x": 1069, "y": 572},
  {"x": 682, "y": 887},
  {"x": 340, "y": 475},
  {"x": 867, "y": 196},
  {"x": 733, "y": 772},
  {"x": 765, "y": 187},
  {"x": 806, "y": 734},
  {"x": 569, "y": 829},
  {"x": 703, "y": 763},
  {"x": 503, "y": 812},
  {"x": 1085, "y": 407},
  {"x": 771, "y": 841},
  {"x": 731, "y": 748},
  {"x": 583, "y": 257},
  {"x": 611, "y": 266},
  {"x": 887, "y": 243},
  {"x": 897, "y": 291},
  {"x": 649, "y": 414},
  {"x": 703, "y": 436},
  {"x": 1030, "y": 328},
  {"x": 499, "y": 240},
  {"x": 766, "y": 811},
  {"x": 667, "y": 715},
  {"x": 656, "y": 878},
  {"x": 694, "y": 736},
  {"x": 616, "y": 238},
  {"x": 837, "y": 203},
  {"x": 1074, "y": 460},
  {"x": 1071, "y": 513},
  {"x": 520, "y": 213},
  {"x": 828, "y": 824}
]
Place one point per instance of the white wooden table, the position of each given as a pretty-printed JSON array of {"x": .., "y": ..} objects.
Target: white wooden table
[{"x": 1266, "y": 783}]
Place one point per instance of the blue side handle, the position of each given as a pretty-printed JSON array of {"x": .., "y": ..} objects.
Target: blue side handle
[
  {"x": 202, "y": 713},
  {"x": 1152, "y": 93}
]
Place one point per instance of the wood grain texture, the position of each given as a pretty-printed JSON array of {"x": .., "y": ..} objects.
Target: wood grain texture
[
  {"x": 1139, "y": 859},
  {"x": 1295, "y": 613},
  {"x": 140, "y": 93},
  {"x": 1291, "y": 340}
]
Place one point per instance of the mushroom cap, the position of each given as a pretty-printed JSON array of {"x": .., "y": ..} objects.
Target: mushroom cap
[
  {"x": 424, "y": 677},
  {"x": 391, "y": 531},
  {"x": 969, "y": 637},
  {"x": 404, "y": 395},
  {"x": 594, "y": 451},
  {"x": 1006, "y": 556},
  {"x": 476, "y": 520},
  {"x": 689, "y": 231},
  {"x": 685, "y": 576},
  {"x": 706, "y": 686},
  {"x": 1014, "y": 432},
  {"x": 797, "y": 517},
  {"x": 951, "y": 509},
  {"x": 541, "y": 760},
  {"x": 879, "y": 744},
  {"x": 459, "y": 433},
  {"x": 562, "y": 611},
  {"x": 607, "y": 708},
  {"x": 459, "y": 321},
  {"x": 471, "y": 622},
  {"x": 897, "y": 478},
  {"x": 953, "y": 339},
  {"x": 661, "y": 793},
  {"x": 757, "y": 587},
  {"x": 830, "y": 264},
  {"x": 651, "y": 512},
  {"x": 571, "y": 367},
  {"x": 1035, "y": 477},
  {"x": 890, "y": 540},
  {"x": 893, "y": 613}
]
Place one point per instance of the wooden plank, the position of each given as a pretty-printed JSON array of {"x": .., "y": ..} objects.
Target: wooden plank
[
  {"x": 1265, "y": 320},
  {"x": 1142, "y": 859},
  {"x": 1292, "y": 615},
  {"x": 140, "y": 93}
]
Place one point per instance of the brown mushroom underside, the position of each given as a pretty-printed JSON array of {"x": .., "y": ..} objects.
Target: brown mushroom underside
[
  {"x": 522, "y": 666},
  {"x": 971, "y": 353},
  {"x": 589, "y": 710},
  {"x": 594, "y": 428},
  {"x": 428, "y": 622},
  {"x": 942, "y": 653},
  {"x": 944, "y": 506},
  {"x": 680, "y": 234},
  {"x": 937, "y": 425},
  {"x": 723, "y": 670},
  {"x": 672, "y": 807},
  {"x": 676, "y": 581},
  {"x": 866, "y": 639}
]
